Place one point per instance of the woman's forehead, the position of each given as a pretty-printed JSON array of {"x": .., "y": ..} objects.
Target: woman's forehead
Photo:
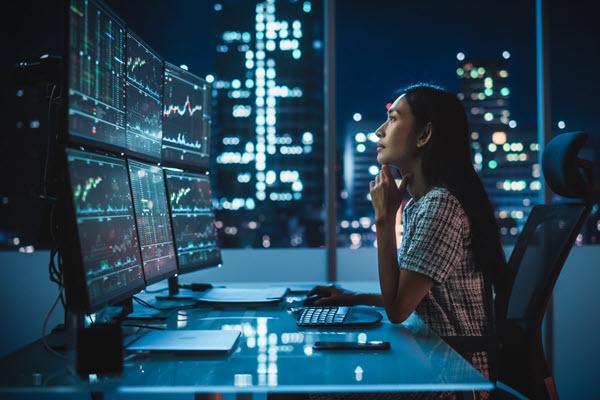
[{"x": 400, "y": 102}]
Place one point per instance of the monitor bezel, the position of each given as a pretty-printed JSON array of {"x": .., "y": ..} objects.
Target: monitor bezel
[
  {"x": 169, "y": 274},
  {"x": 75, "y": 282},
  {"x": 184, "y": 164},
  {"x": 192, "y": 268}
]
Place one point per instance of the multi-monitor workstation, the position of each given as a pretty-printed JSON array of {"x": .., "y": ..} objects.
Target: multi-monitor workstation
[{"x": 138, "y": 201}]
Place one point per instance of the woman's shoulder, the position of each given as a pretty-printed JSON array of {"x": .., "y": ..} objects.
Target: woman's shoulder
[
  {"x": 440, "y": 195},
  {"x": 441, "y": 200}
]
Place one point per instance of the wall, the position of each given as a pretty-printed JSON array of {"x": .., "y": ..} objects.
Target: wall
[{"x": 26, "y": 295}]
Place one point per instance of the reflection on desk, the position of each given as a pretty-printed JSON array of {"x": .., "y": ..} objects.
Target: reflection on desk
[{"x": 273, "y": 355}]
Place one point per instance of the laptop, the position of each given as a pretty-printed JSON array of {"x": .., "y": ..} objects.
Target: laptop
[
  {"x": 242, "y": 295},
  {"x": 187, "y": 342}
]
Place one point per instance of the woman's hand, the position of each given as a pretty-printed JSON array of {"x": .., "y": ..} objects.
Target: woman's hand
[
  {"x": 386, "y": 196},
  {"x": 332, "y": 296}
]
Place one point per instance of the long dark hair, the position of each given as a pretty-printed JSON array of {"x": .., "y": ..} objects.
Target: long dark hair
[{"x": 448, "y": 163}]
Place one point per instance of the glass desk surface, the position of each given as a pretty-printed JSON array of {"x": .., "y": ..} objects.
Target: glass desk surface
[{"x": 272, "y": 355}]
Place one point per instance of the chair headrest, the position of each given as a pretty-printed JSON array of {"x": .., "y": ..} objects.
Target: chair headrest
[{"x": 560, "y": 165}]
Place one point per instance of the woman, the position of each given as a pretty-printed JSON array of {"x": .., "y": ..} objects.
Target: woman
[{"x": 450, "y": 255}]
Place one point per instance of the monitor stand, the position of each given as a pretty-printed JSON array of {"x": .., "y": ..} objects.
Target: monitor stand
[
  {"x": 192, "y": 291},
  {"x": 129, "y": 313}
]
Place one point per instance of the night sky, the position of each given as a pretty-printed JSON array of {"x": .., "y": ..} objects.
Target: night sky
[
  {"x": 380, "y": 47},
  {"x": 403, "y": 42}
]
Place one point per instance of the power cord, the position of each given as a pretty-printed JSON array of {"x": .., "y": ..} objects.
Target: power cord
[
  {"x": 144, "y": 326},
  {"x": 44, "y": 341},
  {"x": 146, "y": 304},
  {"x": 45, "y": 183}
]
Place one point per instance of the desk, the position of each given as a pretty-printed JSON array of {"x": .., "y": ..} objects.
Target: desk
[{"x": 273, "y": 355}]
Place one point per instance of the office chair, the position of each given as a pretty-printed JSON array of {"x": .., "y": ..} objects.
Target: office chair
[
  {"x": 533, "y": 268},
  {"x": 535, "y": 264}
]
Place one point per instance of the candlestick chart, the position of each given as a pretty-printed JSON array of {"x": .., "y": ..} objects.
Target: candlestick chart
[
  {"x": 193, "y": 220},
  {"x": 144, "y": 98},
  {"x": 105, "y": 223}
]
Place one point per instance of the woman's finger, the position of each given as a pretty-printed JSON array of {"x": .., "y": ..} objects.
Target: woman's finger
[
  {"x": 386, "y": 173},
  {"x": 319, "y": 290}
]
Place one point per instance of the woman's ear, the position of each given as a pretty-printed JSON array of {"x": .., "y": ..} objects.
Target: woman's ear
[{"x": 424, "y": 136}]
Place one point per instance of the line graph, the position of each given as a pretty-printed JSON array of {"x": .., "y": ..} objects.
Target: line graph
[
  {"x": 183, "y": 110},
  {"x": 186, "y": 138},
  {"x": 180, "y": 139}
]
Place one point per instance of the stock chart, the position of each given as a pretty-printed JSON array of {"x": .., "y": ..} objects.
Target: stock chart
[
  {"x": 186, "y": 124},
  {"x": 153, "y": 221},
  {"x": 96, "y": 76},
  {"x": 144, "y": 70},
  {"x": 190, "y": 199},
  {"x": 105, "y": 224}
]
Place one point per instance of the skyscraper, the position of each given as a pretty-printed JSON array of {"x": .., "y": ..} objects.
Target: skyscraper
[
  {"x": 269, "y": 141},
  {"x": 359, "y": 168},
  {"x": 504, "y": 154}
]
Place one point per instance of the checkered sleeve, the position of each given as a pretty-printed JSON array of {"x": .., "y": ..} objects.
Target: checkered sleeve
[{"x": 435, "y": 245}]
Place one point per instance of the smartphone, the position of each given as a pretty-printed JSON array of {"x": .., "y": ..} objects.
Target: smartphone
[{"x": 372, "y": 345}]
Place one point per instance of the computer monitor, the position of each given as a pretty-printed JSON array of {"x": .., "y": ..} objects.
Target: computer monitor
[
  {"x": 186, "y": 120},
  {"x": 190, "y": 199},
  {"x": 143, "y": 99},
  {"x": 153, "y": 221},
  {"x": 102, "y": 258},
  {"x": 96, "y": 73}
]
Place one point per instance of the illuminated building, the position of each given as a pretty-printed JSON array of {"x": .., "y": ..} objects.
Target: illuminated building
[
  {"x": 504, "y": 154},
  {"x": 359, "y": 168},
  {"x": 268, "y": 141}
]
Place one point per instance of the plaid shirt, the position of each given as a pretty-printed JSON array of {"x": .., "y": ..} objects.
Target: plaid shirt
[{"x": 436, "y": 243}]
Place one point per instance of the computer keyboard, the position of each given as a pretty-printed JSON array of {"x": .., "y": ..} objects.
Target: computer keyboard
[{"x": 338, "y": 316}]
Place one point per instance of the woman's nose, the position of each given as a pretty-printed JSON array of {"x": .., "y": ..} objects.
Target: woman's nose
[{"x": 380, "y": 132}]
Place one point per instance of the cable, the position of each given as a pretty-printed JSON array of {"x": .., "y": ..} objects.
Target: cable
[
  {"x": 45, "y": 183},
  {"x": 44, "y": 341},
  {"x": 55, "y": 272},
  {"x": 144, "y": 303},
  {"x": 144, "y": 326}
]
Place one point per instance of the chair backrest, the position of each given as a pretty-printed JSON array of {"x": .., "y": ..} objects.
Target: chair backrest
[{"x": 535, "y": 264}]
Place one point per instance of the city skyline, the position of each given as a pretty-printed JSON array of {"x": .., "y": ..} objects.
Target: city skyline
[{"x": 380, "y": 50}]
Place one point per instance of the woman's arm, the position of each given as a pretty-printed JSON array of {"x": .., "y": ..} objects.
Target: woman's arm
[{"x": 401, "y": 290}]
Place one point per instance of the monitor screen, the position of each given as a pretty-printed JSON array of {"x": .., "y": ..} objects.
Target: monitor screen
[
  {"x": 143, "y": 99},
  {"x": 186, "y": 123},
  {"x": 96, "y": 76},
  {"x": 153, "y": 221},
  {"x": 194, "y": 228},
  {"x": 108, "y": 248}
]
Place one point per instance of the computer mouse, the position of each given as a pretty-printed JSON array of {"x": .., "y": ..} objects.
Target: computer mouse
[{"x": 310, "y": 301}]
